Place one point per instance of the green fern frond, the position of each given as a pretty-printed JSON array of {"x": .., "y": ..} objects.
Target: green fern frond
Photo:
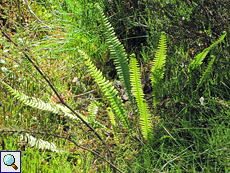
[
  {"x": 118, "y": 54},
  {"x": 138, "y": 93},
  {"x": 49, "y": 106},
  {"x": 112, "y": 119},
  {"x": 159, "y": 61},
  {"x": 207, "y": 71},
  {"x": 31, "y": 101},
  {"x": 108, "y": 90},
  {"x": 135, "y": 79},
  {"x": 92, "y": 112},
  {"x": 28, "y": 65},
  {"x": 157, "y": 70},
  {"x": 200, "y": 57},
  {"x": 145, "y": 119}
]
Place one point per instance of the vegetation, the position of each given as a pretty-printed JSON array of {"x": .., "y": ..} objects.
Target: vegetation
[{"x": 107, "y": 86}]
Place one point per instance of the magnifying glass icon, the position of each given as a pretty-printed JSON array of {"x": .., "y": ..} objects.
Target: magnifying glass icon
[{"x": 9, "y": 160}]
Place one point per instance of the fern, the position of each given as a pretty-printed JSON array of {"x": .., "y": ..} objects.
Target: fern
[
  {"x": 207, "y": 71},
  {"x": 92, "y": 113},
  {"x": 200, "y": 57},
  {"x": 135, "y": 80},
  {"x": 138, "y": 93},
  {"x": 50, "y": 106},
  {"x": 92, "y": 110},
  {"x": 112, "y": 119},
  {"x": 157, "y": 70},
  {"x": 145, "y": 119},
  {"x": 28, "y": 65},
  {"x": 118, "y": 54},
  {"x": 159, "y": 61},
  {"x": 108, "y": 90},
  {"x": 41, "y": 144}
]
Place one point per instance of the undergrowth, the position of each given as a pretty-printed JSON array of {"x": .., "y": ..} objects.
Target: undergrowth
[{"x": 185, "y": 127}]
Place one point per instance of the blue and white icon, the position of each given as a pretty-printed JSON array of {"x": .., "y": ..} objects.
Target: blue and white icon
[{"x": 10, "y": 161}]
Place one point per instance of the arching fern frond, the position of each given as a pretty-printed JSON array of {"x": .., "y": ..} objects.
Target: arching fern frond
[
  {"x": 138, "y": 93},
  {"x": 110, "y": 94},
  {"x": 200, "y": 57},
  {"x": 118, "y": 54},
  {"x": 49, "y": 106},
  {"x": 207, "y": 71}
]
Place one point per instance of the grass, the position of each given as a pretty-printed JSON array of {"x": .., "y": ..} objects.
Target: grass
[{"x": 189, "y": 138}]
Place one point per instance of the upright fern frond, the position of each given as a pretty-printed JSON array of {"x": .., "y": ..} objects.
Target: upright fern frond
[
  {"x": 108, "y": 90},
  {"x": 138, "y": 93},
  {"x": 207, "y": 71},
  {"x": 159, "y": 61},
  {"x": 145, "y": 119},
  {"x": 200, "y": 57},
  {"x": 157, "y": 70},
  {"x": 92, "y": 112},
  {"x": 118, "y": 54},
  {"x": 135, "y": 79},
  {"x": 112, "y": 119}
]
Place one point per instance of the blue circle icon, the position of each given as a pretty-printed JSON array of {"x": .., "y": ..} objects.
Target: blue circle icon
[{"x": 9, "y": 160}]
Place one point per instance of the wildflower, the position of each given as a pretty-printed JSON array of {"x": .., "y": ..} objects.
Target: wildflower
[{"x": 202, "y": 100}]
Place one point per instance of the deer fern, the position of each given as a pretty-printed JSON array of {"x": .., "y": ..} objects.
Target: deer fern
[
  {"x": 138, "y": 93},
  {"x": 46, "y": 106},
  {"x": 157, "y": 70},
  {"x": 200, "y": 57},
  {"x": 113, "y": 123},
  {"x": 118, "y": 54},
  {"x": 205, "y": 74},
  {"x": 110, "y": 94}
]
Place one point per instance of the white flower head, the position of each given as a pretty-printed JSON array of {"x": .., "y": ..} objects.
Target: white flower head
[
  {"x": 2, "y": 61},
  {"x": 202, "y": 100}
]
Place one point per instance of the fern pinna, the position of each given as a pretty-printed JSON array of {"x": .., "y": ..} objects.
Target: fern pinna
[{"x": 138, "y": 93}]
